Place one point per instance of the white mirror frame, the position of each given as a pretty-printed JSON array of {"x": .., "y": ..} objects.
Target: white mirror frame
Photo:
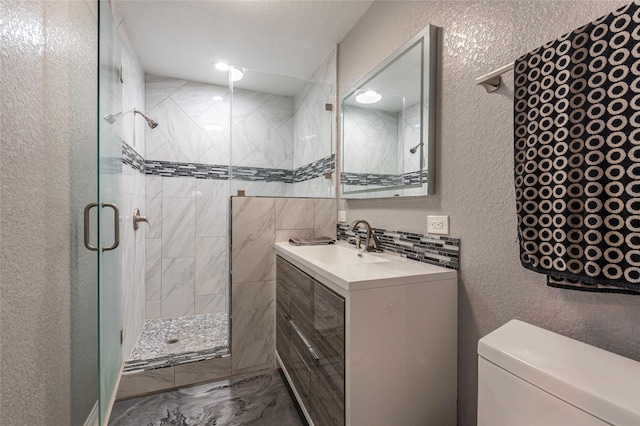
[{"x": 427, "y": 115}]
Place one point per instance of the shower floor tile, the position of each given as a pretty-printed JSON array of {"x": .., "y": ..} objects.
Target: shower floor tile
[
  {"x": 258, "y": 399},
  {"x": 172, "y": 341}
]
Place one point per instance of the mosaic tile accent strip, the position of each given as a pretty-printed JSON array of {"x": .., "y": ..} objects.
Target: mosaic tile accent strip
[
  {"x": 131, "y": 157},
  {"x": 175, "y": 169},
  {"x": 315, "y": 169},
  {"x": 258, "y": 174},
  {"x": 414, "y": 177},
  {"x": 367, "y": 179},
  {"x": 200, "y": 337},
  {"x": 434, "y": 249},
  {"x": 254, "y": 174}
]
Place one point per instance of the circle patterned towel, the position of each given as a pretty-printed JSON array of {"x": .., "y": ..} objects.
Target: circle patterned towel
[{"x": 577, "y": 155}]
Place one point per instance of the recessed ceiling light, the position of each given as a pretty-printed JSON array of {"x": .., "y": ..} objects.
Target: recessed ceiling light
[
  {"x": 221, "y": 66},
  {"x": 217, "y": 98},
  {"x": 214, "y": 127},
  {"x": 368, "y": 97}
]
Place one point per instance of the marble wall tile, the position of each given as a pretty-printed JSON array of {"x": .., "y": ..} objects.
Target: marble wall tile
[
  {"x": 176, "y": 126},
  {"x": 212, "y": 208},
  {"x": 153, "y": 206},
  {"x": 196, "y": 98},
  {"x": 182, "y": 187},
  {"x": 178, "y": 227},
  {"x": 262, "y": 129},
  {"x": 153, "y": 309},
  {"x": 133, "y": 195},
  {"x": 316, "y": 187},
  {"x": 253, "y": 325},
  {"x": 253, "y": 233},
  {"x": 158, "y": 88},
  {"x": 202, "y": 371},
  {"x": 325, "y": 213},
  {"x": 144, "y": 382},
  {"x": 153, "y": 270},
  {"x": 218, "y": 115},
  {"x": 410, "y": 138},
  {"x": 177, "y": 287},
  {"x": 210, "y": 304},
  {"x": 211, "y": 266},
  {"x": 292, "y": 213},
  {"x": 373, "y": 141},
  {"x": 313, "y": 124}
]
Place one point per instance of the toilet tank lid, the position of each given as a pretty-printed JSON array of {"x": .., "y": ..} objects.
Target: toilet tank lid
[{"x": 601, "y": 383}]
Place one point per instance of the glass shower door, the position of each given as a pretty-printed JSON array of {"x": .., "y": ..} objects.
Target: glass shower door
[{"x": 109, "y": 198}]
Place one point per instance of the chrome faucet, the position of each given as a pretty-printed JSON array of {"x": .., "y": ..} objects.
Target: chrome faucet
[{"x": 372, "y": 243}]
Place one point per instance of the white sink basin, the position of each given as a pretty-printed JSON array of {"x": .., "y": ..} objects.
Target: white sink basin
[{"x": 338, "y": 255}]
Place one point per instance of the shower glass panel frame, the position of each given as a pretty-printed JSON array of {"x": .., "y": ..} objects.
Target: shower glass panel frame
[
  {"x": 109, "y": 191},
  {"x": 293, "y": 113}
]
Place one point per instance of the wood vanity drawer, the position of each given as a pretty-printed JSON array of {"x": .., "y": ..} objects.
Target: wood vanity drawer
[
  {"x": 283, "y": 337},
  {"x": 327, "y": 403},
  {"x": 310, "y": 341},
  {"x": 301, "y": 300},
  {"x": 299, "y": 372},
  {"x": 328, "y": 322},
  {"x": 283, "y": 309},
  {"x": 327, "y": 375}
]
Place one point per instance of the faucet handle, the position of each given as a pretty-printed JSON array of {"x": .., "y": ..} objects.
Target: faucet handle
[
  {"x": 375, "y": 242},
  {"x": 357, "y": 242}
]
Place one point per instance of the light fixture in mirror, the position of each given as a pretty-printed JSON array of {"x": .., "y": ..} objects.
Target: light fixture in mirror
[{"x": 388, "y": 125}]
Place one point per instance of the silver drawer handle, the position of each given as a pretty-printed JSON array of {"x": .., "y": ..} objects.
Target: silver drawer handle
[{"x": 313, "y": 353}]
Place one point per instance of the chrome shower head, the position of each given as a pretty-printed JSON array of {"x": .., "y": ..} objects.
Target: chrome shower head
[
  {"x": 415, "y": 148},
  {"x": 151, "y": 123},
  {"x": 111, "y": 118}
]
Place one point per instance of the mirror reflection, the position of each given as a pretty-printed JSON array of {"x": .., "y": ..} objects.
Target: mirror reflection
[{"x": 387, "y": 125}]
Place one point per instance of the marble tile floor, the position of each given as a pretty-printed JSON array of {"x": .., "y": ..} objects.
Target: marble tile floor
[
  {"x": 172, "y": 341},
  {"x": 259, "y": 398}
]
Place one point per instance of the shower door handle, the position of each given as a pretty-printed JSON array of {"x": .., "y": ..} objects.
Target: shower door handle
[
  {"x": 116, "y": 226},
  {"x": 87, "y": 224}
]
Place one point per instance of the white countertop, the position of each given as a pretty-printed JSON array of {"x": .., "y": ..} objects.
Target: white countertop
[{"x": 333, "y": 263}]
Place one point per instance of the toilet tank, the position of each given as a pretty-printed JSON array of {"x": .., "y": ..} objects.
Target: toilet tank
[{"x": 531, "y": 376}]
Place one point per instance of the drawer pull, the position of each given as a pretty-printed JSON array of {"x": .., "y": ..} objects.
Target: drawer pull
[{"x": 313, "y": 353}]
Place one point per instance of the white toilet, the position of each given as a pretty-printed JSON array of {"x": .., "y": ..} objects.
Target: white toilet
[{"x": 531, "y": 376}]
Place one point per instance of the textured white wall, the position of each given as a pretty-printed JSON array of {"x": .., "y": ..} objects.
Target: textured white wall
[
  {"x": 475, "y": 170},
  {"x": 47, "y": 81}
]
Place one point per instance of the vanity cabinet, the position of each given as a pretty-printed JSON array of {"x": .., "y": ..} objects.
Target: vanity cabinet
[
  {"x": 366, "y": 339},
  {"x": 310, "y": 332}
]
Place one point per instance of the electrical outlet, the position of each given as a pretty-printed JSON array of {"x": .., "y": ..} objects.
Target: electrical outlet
[
  {"x": 438, "y": 225},
  {"x": 342, "y": 216}
]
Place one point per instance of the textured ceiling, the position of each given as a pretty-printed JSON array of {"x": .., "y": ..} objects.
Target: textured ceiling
[{"x": 181, "y": 38}]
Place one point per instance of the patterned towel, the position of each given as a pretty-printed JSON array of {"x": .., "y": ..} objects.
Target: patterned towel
[{"x": 577, "y": 155}]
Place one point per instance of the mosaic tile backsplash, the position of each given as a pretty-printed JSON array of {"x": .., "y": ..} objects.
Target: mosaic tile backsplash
[{"x": 434, "y": 249}]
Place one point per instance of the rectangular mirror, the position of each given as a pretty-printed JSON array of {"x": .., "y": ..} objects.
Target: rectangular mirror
[{"x": 388, "y": 125}]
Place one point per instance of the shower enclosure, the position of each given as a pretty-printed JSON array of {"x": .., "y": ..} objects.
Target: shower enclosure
[
  {"x": 215, "y": 141},
  {"x": 175, "y": 151}
]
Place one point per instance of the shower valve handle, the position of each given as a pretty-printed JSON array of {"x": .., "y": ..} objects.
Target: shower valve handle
[{"x": 137, "y": 218}]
